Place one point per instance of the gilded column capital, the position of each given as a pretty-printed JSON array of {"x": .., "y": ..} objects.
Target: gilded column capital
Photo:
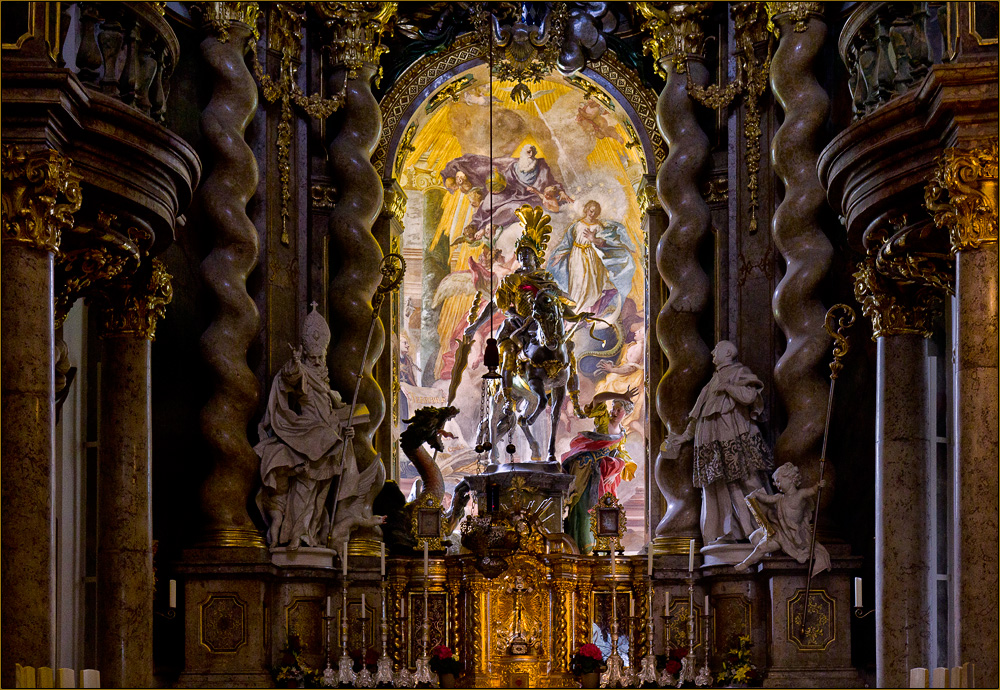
[
  {"x": 134, "y": 305},
  {"x": 674, "y": 33},
  {"x": 563, "y": 586},
  {"x": 394, "y": 201},
  {"x": 892, "y": 308},
  {"x": 962, "y": 195},
  {"x": 356, "y": 32},
  {"x": 648, "y": 201},
  {"x": 799, "y": 12},
  {"x": 218, "y": 17},
  {"x": 41, "y": 192}
]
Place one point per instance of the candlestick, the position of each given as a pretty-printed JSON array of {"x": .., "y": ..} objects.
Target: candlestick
[
  {"x": 649, "y": 562},
  {"x": 382, "y": 556},
  {"x": 426, "y": 563},
  {"x": 173, "y": 594},
  {"x": 857, "y": 592},
  {"x": 343, "y": 558},
  {"x": 691, "y": 556}
]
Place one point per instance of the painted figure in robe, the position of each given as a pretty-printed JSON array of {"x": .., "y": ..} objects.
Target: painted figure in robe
[{"x": 598, "y": 462}]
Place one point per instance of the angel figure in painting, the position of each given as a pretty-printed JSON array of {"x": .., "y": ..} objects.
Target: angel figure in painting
[
  {"x": 785, "y": 521},
  {"x": 598, "y": 462},
  {"x": 303, "y": 436},
  {"x": 594, "y": 261},
  {"x": 729, "y": 452}
]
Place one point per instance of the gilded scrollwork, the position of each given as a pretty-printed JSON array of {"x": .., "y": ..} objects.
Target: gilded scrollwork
[
  {"x": 962, "y": 195},
  {"x": 799, "y": 12},
  {"x": 41, "y": 192},
  {"x": 133, "y": 306},
  {"x": 356, "y": 30},
  {"x": 217, "y": 17},
  {"x": 674, "y": 32},
  {"x": 394, "y": 202},
  {"x": 648, "y": 201}
]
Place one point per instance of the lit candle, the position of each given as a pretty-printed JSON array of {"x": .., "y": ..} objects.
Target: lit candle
[
  {"x": 173, "y": 594},
  {"x": 857, "y": 592},
  {"x": 329, "y": 605},
  {"x": 343, "y": 559},
  {"x": 649, "y": 562},
  {"x": 691, "y": 556},
  {"x": 706, "y": 604},
  {"x": 426, "y": 563},
  {"x": 382, "y": 555},
  {"x": 364, "y": 608},
  {"x": 666, "y": 603},
  {"x": 613, "y": 564}
]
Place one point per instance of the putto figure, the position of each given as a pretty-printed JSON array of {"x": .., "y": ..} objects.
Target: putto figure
[
  {"x": 785, "y": 521},
  {"x": 729, "y": 452},
  {"x": 302, "y": 434}
]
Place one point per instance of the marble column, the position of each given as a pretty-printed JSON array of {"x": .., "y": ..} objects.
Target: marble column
[
  {"x": 798, "y": 376},
  {"x": 128, "y": 315},
  {"x": 963, "y": 197},
  {"x": 354, "y": 47},
  {"x": 677, "y": 42},
  {"x": 40, "y": 194},
  {"x": 220, "y": 210}
]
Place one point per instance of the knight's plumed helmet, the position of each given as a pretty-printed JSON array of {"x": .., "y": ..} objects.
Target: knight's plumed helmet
[
  {"x": 536, "y": 231},
  {"x": 315, "y": 333}
]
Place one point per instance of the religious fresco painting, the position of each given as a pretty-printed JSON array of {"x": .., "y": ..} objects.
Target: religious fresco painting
[{"x": 571, "y": 149}]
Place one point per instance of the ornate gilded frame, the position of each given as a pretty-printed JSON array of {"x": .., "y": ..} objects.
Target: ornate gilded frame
[{"x": 607, "y": 523}]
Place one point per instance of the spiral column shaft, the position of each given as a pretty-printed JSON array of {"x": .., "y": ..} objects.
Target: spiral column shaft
[
  {"x": 799, "y": 377},
  {"x": 222, "y": 202}
]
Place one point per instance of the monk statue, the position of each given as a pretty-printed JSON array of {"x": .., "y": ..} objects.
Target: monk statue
[{"x": 302, "y": 444}]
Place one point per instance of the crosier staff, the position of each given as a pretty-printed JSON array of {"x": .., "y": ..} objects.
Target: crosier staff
[
  {"x": 392, "y": 268},
  {"x": 836, "y": 326}
]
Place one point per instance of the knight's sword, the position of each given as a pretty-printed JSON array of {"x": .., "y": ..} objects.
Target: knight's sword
[
  {"x": 837, "y": 327},
  {"x": 392, "y": 268}
]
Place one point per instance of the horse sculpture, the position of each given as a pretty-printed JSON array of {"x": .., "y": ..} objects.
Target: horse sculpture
[{"x": 543, "y": 371}]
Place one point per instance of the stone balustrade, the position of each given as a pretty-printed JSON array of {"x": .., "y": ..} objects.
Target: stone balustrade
[{"x": 126, "y": 50}]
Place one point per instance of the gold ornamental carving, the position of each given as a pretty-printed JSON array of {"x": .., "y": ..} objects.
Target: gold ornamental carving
[
  {"x": 890, "y": 310},
  {"x": 41, "y": 192},
  {"x": 799, "y": 12},
  {"x": 356, "y": 32},
  {"x": 394, "y": 202},
  {"x": 962, "y": 195},
  {"x": 648, "y": 201},
  {"x": 674, "y": 32},
  {"x": 223, "y": 625},
  {"x": 133, "y": 306},
  {"x": 217, "y": 17},
  {"x": 822, "y": 619}
]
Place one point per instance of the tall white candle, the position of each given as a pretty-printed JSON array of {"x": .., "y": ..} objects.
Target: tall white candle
[
  {"x": 649, "y": 562},
  {"x": 613, "y": 559},
  {"x": 666, "y": 603},
  {"x": 857, "y": 592},
  {"x": 426, "y": 562},
  {"x": 631, "y": 607},
  {"x": 691, "y": 556},
  {"x": 343, "y": 558},
  {"x": 329, "y": 605},
  {"x": 706, "y": 604},
  {"x": 364, "y": 607},
  {"x": 382, "y": 556},
  {"x": 90, "y": 678},
  {"x": 173, "y": 594}
]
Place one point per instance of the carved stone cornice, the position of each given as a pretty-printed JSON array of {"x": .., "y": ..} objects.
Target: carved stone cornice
[
  {"x": 102, "y": 253},
  {"x": 799, "y": 13},
  {"x": 355, "y": 32},
  {"x": 217, "y": 17},
  {"x": 134, "y": 305},
  {"x": 41, "y": 192},
  {"x": 674, "y": 33},
  {"x": 962, "y": 195}
]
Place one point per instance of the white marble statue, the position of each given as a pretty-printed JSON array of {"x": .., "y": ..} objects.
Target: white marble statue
[
  {"x": 788, "y": 515},
  {"x": 729, "y": 452},
  {"x": 302, "y": 434}
]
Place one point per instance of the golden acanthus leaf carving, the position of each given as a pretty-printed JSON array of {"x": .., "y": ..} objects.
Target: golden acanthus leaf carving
[
  {"x": 356, "y": 30},
  {"x": 41, "y": 192},
  {"x": 962, "y": 195},
  {"x": 799, "y": 13},
  {"x": 134, "y": 306},
  {"x": 892, "y": 309},
  {"x": 674, "y": 32},
  {"x": 217, "y": 17}
]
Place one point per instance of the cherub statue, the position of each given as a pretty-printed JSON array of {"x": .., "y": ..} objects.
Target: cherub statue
[
  {"x": 302, "y": 437},
  {"x": 785, "y": 521}
]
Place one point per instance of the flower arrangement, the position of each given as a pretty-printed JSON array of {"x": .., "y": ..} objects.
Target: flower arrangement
[
  {"x": 736, "y": 666},
  {"x": 293, "y": 671},
  {"x": 370, "y": 659},
  {"x": 672, "y": 664},
  {"x": 444, "y": 661},
  {"x": 588, "y": 659}
]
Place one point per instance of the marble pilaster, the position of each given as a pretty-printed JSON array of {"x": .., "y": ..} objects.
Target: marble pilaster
[
  {"x": 902, "y": 447},
  {"x": 40, "y": 194}
]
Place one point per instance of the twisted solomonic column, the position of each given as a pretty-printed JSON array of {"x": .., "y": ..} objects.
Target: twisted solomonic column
[
  {"x": 677, "y": 43},
  {"x": 798, "y": 375},
  {"x": 354, "y": 49},
  {"x": 221, "y": 202}
]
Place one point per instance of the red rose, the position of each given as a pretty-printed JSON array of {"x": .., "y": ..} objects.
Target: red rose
[
  {"x": 442, "y": 652},
  {"x": 592, "y": 651},
  {"x": 673, "y": 666}
]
